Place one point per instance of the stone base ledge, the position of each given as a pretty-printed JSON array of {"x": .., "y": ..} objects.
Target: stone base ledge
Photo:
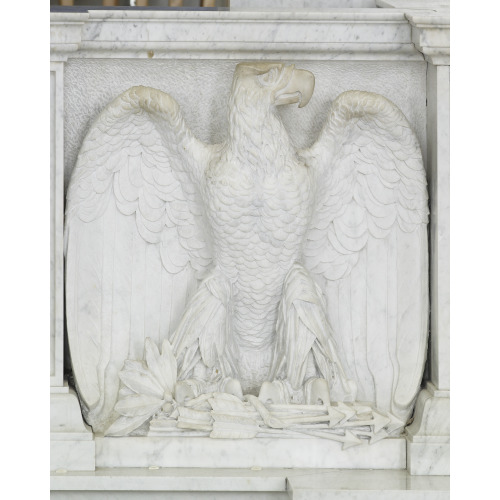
[
  {"x": 72, "y": 445},
  {"x": 428, "y": 447},
  {"x": 202, "y": 452},
  {"x": 428, "y": 458},
  {"x": 72, "y": 455},
  {"x": 297, "y": 484}
]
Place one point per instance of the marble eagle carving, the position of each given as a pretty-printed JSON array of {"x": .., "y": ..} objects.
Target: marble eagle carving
[{"x": 284, "y": 273}]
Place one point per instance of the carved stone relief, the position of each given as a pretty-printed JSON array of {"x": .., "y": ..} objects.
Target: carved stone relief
[{"x": 246, "y": 288}]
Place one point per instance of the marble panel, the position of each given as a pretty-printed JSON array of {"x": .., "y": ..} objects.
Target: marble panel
[{"x": 257, "y": 291}]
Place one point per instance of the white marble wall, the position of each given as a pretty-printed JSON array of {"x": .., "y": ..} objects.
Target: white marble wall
[{"x": 380, "y": 49}]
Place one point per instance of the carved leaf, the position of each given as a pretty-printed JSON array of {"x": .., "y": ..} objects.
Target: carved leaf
[
  {"x": 142, "y": 383},
  {"x": 164, "y": 366},
  {"x": 138, "y": 404},
  {"x": 125, "y": 425}
]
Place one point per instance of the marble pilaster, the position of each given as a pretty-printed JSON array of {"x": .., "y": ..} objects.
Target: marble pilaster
[
  {"x": 72, "y": 445},
  {"x": 438, "y": 125},
  {"x": 56, "y": 226},
  {"x": 428, "y": 450},
  {"x": 429, "y": 435}
]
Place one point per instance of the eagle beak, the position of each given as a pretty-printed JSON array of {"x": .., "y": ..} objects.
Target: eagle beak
[{"x": 299, "y": 89}]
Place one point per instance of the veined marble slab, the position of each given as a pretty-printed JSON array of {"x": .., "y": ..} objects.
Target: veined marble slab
[
  {"x": 300, "y": 4},
  {"x": 259, "y": 452},
  {"x": 172, "y": 479},
  {"x": 239, "y": 483},
  {"x": 362, "y": 34},
  {"x": 433, "y": 5}
]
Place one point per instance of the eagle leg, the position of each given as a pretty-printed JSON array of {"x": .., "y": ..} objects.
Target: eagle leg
[
  {"x": 305, "y": 353},
  {"x": 200, "y": 342}
]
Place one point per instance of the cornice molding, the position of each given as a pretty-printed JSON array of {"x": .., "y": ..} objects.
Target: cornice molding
[
  {"x": 430, "y": 22},
  {"x": 65, "y": 33},
  {"x": 431, "y": 36},
  {"x": 343, "y": 34},
  {"x": 400, "y": 30}
]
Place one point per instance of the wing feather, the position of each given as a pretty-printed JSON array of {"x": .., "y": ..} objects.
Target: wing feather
[
  {"x": 133, "y": 222},
  {"x": 369, "y": 233}
]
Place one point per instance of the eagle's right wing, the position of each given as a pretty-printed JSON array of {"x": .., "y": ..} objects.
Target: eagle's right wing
[
  {"x": 135, "y": 239},
  {"x": 368, "y": 243}
]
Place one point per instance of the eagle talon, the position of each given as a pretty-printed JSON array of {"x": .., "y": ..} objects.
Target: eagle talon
[
  {"x": 273, "y": 392},
  {"x": 317, "y": 392},
  {"x": 187, "y": 389},
  {"x": 281, "y": 392},
  {"x": 231, "y": 386}
]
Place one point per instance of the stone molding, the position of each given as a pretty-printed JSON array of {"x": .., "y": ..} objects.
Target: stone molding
[
  {"x": 431, "y": 36},
  {"x": 430, "y": 22},
  {"x": 350, "y": 34},
  {"x": 65, "y": 34},
  {"x": 363, "y": 34}
]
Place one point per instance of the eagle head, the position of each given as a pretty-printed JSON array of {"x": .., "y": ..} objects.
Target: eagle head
[{"x": 272, "y": 84}]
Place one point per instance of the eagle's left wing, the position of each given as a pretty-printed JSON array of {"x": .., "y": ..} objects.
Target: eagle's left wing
[
  {"x": 368, "y": 241},
  {"x": 136, "y": 240}
]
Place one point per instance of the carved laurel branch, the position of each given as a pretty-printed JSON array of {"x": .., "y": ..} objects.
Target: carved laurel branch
[
  {"x": 148, "y": 395},
  {"x": 149, "y": 387}
]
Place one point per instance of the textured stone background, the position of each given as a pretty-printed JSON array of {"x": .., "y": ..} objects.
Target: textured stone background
[{"x": 202, "y": 88}]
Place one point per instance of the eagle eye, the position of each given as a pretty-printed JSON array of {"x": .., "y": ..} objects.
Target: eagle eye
[{"x": 269, "y": 77}]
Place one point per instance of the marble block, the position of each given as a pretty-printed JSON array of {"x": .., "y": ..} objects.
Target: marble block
[
  {"x": 241, "y": 484},
  {"x": 428, "y": 449},
  {"x": 72, "y": 445},
  {"x": 367, "y": 485},
  {"x": 258, "y": 452}
]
